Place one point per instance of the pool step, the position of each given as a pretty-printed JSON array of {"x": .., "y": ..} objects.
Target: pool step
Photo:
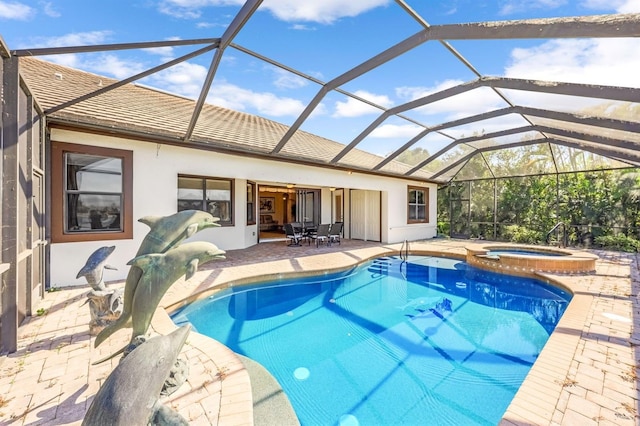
[{"x": 380, "y": 266}]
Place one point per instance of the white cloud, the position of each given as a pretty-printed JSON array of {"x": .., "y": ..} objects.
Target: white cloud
[
  {"x": 15, "y": 10},
  {"x": 113, "y": 66},
  {"x": 166, "y": 52},
  {"x": 396, "y": 131},
  {"x": 629, "y": 6},
  {"x": 517, "y": 6},
  {"x": 487, "y": 126},
  {"x": 620, "y": 6},
  {"x": 192, "y": 9},
  {"x": 325, "y": 11},
  {"x": 301, "y": 27},
  {"x": 186, "y": 79},
  {"x": 468, "y": 103},
  {"x": 286, "y": 80},
  {"x": 611, "y": 62},
  {"x": 72, "y": 39},
  {"x": 608, "y": 62},
  {"x": 267, "y": 104},
  {"x": 49, "y": 10},
  {"x": 354, "y": 108},
  {"x": 205, "y": 25}
]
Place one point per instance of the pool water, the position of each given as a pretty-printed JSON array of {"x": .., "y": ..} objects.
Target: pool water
[
  {"x": 427, "y": 341},
  {"x": 524, "y": 252}
]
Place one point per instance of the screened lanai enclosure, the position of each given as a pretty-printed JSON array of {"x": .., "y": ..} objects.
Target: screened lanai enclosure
[
  {"x": 526, "y": 114},
  {"x": 584, "y": 209},
  {"x": 426, "y": 98}
]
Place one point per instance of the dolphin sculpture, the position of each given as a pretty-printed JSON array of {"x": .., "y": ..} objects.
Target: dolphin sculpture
[
  {"x": 166, "y": 232},
  {"x": 95, "y": 266},
  {"x": 160, "y": 271},
  {"x": 130, "y": 395}
]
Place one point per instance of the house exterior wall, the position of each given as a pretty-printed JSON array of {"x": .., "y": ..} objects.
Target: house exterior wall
[{"x": 156, "y": 168}]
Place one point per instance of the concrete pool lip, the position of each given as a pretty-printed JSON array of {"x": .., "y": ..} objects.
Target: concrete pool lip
[{"x": 550, "y": 259}]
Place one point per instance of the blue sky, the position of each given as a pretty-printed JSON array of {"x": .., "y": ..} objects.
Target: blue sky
[{"x": 324, "y": 39}]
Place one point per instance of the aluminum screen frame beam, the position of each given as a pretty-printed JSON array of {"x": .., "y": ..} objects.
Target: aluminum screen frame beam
[
  {"x": 618, "y": 93},
  {"x": 132, "y": 78},
  {"x": 604, "y": 141},
  {"x": 46, "y": 51},
  {"x": 247, "y": 10},
  {"x": 604, "y": 26},
  {"x": 601, "y": 26},
  {"x": 467, "y": 157},
  {"x": 602, "y": 122}
]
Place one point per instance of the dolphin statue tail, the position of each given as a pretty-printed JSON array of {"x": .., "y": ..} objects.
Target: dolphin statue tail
[
  {"x": 108, "y": 357},
  {"x": 106, "y": 332}
]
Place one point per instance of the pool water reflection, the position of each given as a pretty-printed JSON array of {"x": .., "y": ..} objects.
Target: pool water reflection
[{"x": 390, "y": 342}]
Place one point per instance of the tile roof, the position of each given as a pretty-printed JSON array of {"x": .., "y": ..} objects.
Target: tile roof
[{"x": 152, "y": 113}]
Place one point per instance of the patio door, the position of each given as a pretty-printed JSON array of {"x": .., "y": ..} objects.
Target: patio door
[
  {"x": 337, "y": 206},
  {"x": 365, "y": 215},
  {"x": 308, "y": 206}
]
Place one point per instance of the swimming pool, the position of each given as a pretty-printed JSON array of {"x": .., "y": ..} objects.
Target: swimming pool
[{"x": 429, "y": 341}]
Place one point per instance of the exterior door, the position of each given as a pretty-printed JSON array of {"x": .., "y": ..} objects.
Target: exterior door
[
  {"x": 337, "y": 212},
  {"x": 365, "y": 215},
  {"x": 308, "y": 206}
]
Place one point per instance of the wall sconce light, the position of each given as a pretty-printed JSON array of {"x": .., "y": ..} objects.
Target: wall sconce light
[
  {"x": 290, "y": 185},
  {"x": 332, "y": 189}
]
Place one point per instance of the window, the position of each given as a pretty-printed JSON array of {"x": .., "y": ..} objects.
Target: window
[
  {"x": 417, "y": 209},
  {"x": 251, "y": 203},
  {"x": 212, "y": 195},
  {"x": 92, "y": 193}
]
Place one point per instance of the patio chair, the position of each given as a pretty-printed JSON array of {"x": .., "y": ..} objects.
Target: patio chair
[
  {"x": 335, "y": 232},
  {"x": 321, "y": 235},
  {"x": 309, "y": 229},
  {"x": 294, "y": 235}
]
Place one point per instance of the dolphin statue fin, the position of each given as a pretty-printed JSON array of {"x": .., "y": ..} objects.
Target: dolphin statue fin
[
  {"x": 150, "y": 221},
  {"x": 191, "y": 229},
  {"x": 113, "y": 268},
  {"x": 192, "y": 267},
  {"x": 107, "y": 358},
  {"x": 145, "y": 260}
]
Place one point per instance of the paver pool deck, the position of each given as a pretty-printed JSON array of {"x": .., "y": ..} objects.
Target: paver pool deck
[{"x": 585, "y": 375}]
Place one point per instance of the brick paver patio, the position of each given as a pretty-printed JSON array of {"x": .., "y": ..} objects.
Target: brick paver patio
[{"x": 586, "y": 374}]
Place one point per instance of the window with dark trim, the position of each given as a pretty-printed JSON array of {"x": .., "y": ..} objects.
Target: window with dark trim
[
  {"x": 213, "y": 195},
  {"x": 418, "y": 204},
  {"x": 92, "y": 193},
  {"x": 251, "y": 203}
]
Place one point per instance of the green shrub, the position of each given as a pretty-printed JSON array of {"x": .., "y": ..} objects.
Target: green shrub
[
  {"x": 521, "y": 234},
  {"x": 444, "y": 228},
  {"x": 618, "y": 242}
]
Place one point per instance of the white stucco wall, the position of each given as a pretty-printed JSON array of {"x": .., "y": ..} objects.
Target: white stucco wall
[{"x": 156, "y": 168}]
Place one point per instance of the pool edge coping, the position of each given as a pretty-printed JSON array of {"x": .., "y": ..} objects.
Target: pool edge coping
[{"x": 545, "y": 377}]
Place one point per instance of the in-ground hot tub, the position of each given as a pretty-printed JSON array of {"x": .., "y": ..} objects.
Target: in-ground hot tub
[{"x": 528, "y": 260}]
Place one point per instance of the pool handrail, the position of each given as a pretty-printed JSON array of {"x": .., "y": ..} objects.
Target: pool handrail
[
  {"x": 562, "y": 242},
  {"x": 405, "y": 246}
]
